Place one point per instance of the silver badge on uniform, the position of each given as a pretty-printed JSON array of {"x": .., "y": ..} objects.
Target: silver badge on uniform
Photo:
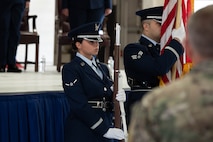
[
  {"x": 138, "y": 56},
  {"x": 82, "y": 64},
  {"x": 140, "y": 53},
  {"x": 150, "y": 45},
  {"x": 71, "y": 83},
  {"x": 134, "y": 57}
]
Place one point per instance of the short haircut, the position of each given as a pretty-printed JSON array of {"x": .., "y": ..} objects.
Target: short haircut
[
  {"x": 200, "y": 31},
  {"x": 74, "y": 40}
]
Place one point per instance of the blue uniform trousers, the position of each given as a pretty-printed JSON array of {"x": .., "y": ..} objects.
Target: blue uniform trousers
[{"x": 10, "y": 19}]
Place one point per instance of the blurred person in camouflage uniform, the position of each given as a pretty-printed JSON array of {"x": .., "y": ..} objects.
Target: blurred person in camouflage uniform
[{"x": 183, "y": 110}]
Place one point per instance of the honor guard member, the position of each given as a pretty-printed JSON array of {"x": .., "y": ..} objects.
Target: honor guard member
[
  {"x": 143, "y": 62},
  {"x": 183, "y": 110},
  {"x": 86, "y": 11},
  {"x": 88, "y": 87}
]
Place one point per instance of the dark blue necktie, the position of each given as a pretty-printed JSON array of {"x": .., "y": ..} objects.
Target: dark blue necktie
[{"x": 97, "y": 70}]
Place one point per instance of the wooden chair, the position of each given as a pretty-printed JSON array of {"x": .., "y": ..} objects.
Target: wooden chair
[
  {"x": 62, "y": 37},
  {"x": 29, "y": 37},
  {"x": 63, "y": 40},
  {"x": 103, "y": 54}
]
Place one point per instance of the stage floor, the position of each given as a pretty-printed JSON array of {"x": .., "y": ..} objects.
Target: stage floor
[{"x": 30, "y": 81}]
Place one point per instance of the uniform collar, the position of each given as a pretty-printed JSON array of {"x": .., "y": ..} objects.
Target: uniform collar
[
  {"x": 151, "y": 40},
  {"x": 89, "y": 62}
]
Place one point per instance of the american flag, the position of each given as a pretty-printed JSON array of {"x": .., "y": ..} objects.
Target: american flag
[{"x": 175, "y": 14}]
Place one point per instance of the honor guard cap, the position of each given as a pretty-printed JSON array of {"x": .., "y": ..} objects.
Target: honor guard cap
[
  {"x": 89, "y": 31},
  {"x": 154, "y": 13}
]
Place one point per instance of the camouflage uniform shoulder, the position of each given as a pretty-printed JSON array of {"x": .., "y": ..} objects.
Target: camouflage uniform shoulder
[{"x": 181, "y": 111}]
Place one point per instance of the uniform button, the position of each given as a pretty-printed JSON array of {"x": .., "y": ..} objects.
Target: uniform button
[{"x": 105, "y": 89}]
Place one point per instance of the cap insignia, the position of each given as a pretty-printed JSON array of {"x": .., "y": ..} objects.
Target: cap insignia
[{"x": 97, "y": 27}]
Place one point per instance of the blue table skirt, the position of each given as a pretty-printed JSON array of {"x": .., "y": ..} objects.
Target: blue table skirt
[{"x": 37, "y": 117}]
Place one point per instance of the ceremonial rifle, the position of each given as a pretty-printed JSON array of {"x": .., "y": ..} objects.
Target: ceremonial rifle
[{"x": 118, "y": 106}]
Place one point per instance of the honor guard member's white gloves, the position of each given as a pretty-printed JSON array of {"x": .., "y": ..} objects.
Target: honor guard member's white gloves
[
  {"x": 179, "y": 33},
  {"x": 121, "y": 96},
  {"x": 114, "y": 133}
]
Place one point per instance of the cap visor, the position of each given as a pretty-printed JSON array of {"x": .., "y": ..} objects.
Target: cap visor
[{"x": 98, "y": 39}]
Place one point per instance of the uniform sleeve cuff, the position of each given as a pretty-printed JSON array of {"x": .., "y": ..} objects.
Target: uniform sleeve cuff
[{"x": 175, "y": 47}]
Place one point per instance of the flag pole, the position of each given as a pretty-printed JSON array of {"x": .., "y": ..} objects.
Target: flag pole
[
  {"x": 177, "y": 25},
  {"x": 187, "y": 65},
  {"x": 178, "y": 14}
]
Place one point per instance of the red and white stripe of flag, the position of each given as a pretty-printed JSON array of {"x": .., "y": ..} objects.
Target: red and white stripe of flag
[{"x": 168, "y": 24}]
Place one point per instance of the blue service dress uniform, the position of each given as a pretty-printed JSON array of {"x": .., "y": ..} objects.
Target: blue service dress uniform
[
  {"x": 11, "y": 12},
  {"x": 143, "y": 64},
  {"x": 86, "y": 11},
  {"x": 82, "y": 85}
]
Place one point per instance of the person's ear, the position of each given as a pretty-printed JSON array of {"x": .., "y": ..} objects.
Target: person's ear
[
  {"x": 145, "y": 25},
  {"x": 78, "y": 45}
]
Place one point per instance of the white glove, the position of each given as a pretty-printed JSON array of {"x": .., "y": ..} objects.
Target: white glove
[
  {"x": 114, "y": 133},
  {"x": 121, "y": 96},
  {"x": 179, "y": 33}
]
